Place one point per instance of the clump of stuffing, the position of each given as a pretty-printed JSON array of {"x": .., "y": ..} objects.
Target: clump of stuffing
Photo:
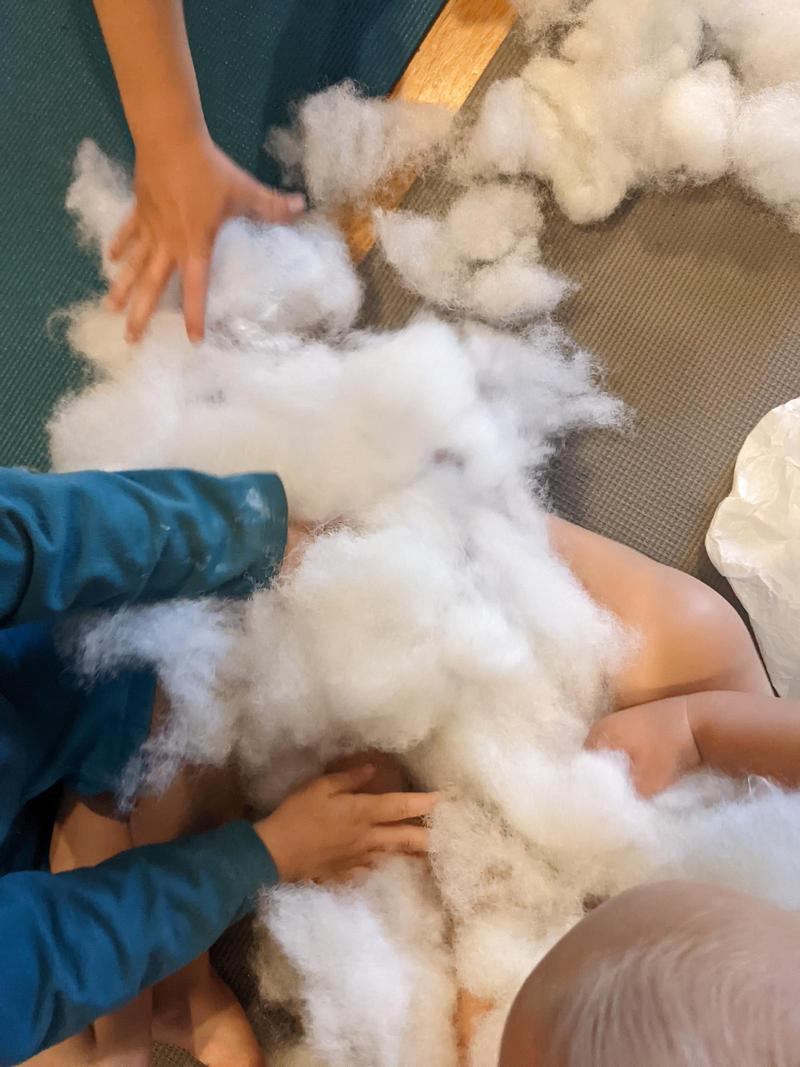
[
  {"x": 482, "y": 258},
  {"x": 768, "y": 148},
  {"x": 646, "y": 92},
  {"x": 343, "y": 146},
  {"x": 99, "y": 198},
  {"x": 626, "y": 94},
  {"x": 188, "y": 646},
  {"x": 761, "y": 40},
  {"x": 390, "y": 930},
  {"x": 541, "y": 15}
]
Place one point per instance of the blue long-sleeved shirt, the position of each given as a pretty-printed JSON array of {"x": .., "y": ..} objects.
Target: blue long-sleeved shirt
[{"x": 75, "y": 946}]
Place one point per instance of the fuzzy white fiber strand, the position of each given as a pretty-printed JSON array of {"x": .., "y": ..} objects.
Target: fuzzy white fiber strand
[{"x": 429, "y": 618}]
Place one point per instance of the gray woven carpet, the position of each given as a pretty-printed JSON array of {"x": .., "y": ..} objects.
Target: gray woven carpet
[
  {"x": 690, "y": 302},
  {"x": 230, "y": 956}
]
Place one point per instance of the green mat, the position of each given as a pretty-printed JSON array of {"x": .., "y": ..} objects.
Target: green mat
[{"x": 253, "y": 58}]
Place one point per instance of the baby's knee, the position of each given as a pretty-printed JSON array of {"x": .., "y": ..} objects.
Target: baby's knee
[
  {"x": 717, "y": 638},
  {"x": 692, "y": 640}
]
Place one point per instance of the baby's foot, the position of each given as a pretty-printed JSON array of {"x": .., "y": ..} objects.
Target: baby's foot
[{"x": 196, "y": 1011}]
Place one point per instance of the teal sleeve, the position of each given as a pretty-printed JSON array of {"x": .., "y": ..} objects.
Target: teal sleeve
[
  {"x": 73, "y": 542},
  {"x": 54, "y": 728},
  {"x": 78, "y": 945}
]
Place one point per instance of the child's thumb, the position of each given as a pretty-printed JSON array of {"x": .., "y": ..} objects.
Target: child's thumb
[{"x": 267, "y": 205}]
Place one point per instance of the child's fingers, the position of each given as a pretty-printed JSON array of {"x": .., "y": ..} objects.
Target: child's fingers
[
  {"x": 264, "y": 204},
  {"x": 125, "y": 234},
  {"x": 195, "y": 289},
  {"x": 352, "y": 780},
  {"x": 150, "y": 285},
  {"x": 399, "y": 839},
  {"x": 124, "y": 282},
  {"x": 399, "y": 807}
]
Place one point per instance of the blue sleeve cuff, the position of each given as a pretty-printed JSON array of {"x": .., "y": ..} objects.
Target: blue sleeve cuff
[
  {"x": 247, "y": 854},
  {"x": 267, "y": 508}
]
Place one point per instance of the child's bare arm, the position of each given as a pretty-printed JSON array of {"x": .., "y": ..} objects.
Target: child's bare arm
[
  {"x": 150, "y": 53},
  {"x": 736, "y": 733},
  {"x": 185, "y": 186}
]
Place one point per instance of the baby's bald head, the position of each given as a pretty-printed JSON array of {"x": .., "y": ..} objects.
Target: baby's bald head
[{"x": 671, "y": 975}]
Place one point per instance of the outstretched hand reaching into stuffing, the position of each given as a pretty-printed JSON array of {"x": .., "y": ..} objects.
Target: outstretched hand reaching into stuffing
[
  {"x": 328, "y": 827},
  {"x": 184, "y": 193},
  {"x": 185, "y": 186}
]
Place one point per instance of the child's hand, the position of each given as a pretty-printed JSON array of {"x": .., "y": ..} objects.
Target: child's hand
[
  {"x": 657, "y": 739},
  {"x": 184, "y": 192},
  {"x": 328, "y": 827}
]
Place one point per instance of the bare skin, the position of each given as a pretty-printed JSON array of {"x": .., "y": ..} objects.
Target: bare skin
[
  {"x": 194, "y": 1009},
  {"x": 696, "y": 694},
  {"x": 185, "y": 186},
  {"x": 739, "y": 734},
  {"x": 693, "y": 640}
]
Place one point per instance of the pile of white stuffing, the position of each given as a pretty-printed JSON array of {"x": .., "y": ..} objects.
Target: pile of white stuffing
[
  {"x": 430, "y": 619},
  {"x": 432, "y": 622},
  {"x": 633, "y": 94}
]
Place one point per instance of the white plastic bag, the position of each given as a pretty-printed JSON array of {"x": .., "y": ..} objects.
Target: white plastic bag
[{"x": 754, "y": 541}]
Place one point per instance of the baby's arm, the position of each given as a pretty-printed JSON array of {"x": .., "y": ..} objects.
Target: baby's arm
[
  {"x": 82, "y": 838},
  {"x": 735, "y": 733},
  {"x": 743, "y": 733}
]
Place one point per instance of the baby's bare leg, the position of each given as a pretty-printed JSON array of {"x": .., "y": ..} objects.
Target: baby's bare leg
[
  {"x": 82, "y": 838},
  {"x": 198, "y": 799},
  {"x": 692, "y": 639},
  {"x": 194, "y": 1009}
]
